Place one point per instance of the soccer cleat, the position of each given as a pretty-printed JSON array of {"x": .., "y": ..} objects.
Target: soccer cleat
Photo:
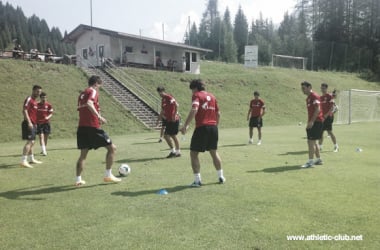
[
  {"x": 178, "y": 155},
  {"x": 222, "y": 180},
  {"x": 44, "y": 153},
  {"x": 250, "y": 141},
  {"x": 307, "y": 165},
  {"x": 318, "y": 162},
  {"x": 259, "y": 143},
  {"x": 34, "y": 161},
  {"x": 160, "y": 140},
  {"x": 196, "y": 184},
  {"x": 111, "y": 179},
  {"x": 171, "y": 155},
  {"x": 336, "y": 149},
  {"x": 80, "y": 183},
  {"x": 25, "y": 164}
]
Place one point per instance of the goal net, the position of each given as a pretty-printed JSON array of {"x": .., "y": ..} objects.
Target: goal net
[
  {"x": 289, "y": 61},
  {"x": 357, "y": 105}
]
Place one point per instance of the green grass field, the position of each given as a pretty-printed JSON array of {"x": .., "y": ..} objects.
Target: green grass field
[{"x": 267, "y": 195}]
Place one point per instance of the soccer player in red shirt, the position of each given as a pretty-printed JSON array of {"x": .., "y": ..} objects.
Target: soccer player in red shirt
[
  {"x": 44, "y": 113},
  {"x": 328, "y": 109},
  {"x": 255, "y": 116},
  {"x": 89, "y": 134},
  {"x": 314, "y": 124},
  {"x": 205, "y": 110},
  {"x": 29, "y": 127},
  {"x": 169, "y": 116}
]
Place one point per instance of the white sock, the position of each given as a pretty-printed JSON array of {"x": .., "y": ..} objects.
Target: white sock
[
  {"x": 311, "y": 160},
  {"x": 178, "y": 151},
  {"x": 197, "y": 177},
  {"x": 31, "y": 157},
  {"x": 24, "y": 158},
  {"x": 108, "y": 173},
  {"x": 220, "y": 173},
  {"x": 79, "y": 178},
  {"x": 43, "y": 148}
]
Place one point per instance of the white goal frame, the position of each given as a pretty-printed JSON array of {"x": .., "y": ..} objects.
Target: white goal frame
[
  {"x": 356, "y": 105},
  {"x": 295, "y": 58}
]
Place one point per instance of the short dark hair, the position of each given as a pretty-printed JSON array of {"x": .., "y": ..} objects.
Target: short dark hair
[
  {"x": 256, "y": 93},
  {"x": 43, "y": 94},
  {"x": 306, "y": 84},
  {"x": 160, "y": 89},
  {"x": 35, "y": 87},
  {"x": 94, "y": 79},
  {"x": 324, "y": 85},
  {"x": 197, "y": 84}
]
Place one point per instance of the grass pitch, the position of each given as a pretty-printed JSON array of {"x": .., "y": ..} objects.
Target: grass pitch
[{"x": 266, "y": 198}]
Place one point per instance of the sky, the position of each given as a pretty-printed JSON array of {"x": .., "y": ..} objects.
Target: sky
[{"x": 161, "y": 19}]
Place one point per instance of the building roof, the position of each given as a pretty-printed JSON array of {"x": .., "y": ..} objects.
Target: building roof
[{"x": 78, "y": 31}]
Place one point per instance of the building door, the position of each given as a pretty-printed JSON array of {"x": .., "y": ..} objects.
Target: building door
[{"x": 187, "y": 60}]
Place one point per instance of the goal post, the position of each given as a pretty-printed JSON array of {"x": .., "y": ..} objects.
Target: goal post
[
  {"x": 289, "y": 61},
  {"x": 356, "y": 105}
]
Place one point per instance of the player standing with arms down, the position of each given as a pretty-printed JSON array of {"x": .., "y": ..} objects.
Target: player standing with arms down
[
  {"x": 169, "y": 113},
  {"x": 44, "y": 113},
  {"x": 314, "y": 124},
  {"x": 328, "y": 109},
  {"x": 29, "y": 127},
  {"x": 255, "y": 116},
  {"x": 205, "y": 110},
  {"x": 89, "y": 134}
]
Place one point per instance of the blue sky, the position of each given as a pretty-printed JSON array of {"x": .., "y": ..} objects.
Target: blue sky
[{"x": 153, "y": 18}]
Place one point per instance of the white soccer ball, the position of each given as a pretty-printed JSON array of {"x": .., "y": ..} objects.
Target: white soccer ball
[{"x": 124, "y": 169}]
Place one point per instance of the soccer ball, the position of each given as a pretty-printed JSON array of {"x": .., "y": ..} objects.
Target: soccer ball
[{"x": 124, "y": 169}]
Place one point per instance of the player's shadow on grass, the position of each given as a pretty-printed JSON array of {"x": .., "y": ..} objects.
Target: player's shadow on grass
[
  {"x": 145, "y": 192},
  {"x": 31, "y": 193},
  {"x": 3, "y": 166},
  {"x": 276, "y": 169},
  {"x": 295, "y": 153},
  {"x": 129, "y": 160},
  {"x": 234, "y": 145}
]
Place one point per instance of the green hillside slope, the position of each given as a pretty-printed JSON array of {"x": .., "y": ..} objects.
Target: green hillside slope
[{"x": 232, "y": 84}]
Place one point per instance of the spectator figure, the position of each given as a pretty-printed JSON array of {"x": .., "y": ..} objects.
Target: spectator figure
[
  {"x": 48, "y": 55},
  {"x": 44, "y": 113},
  {"x": 17, "y": 52}
]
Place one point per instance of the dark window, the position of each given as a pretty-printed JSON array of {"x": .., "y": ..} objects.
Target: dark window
[
  {"x": 158, "y": 53},
  {"x": 101, "y": 51},
  {"x": 193, "y": 57},
  {"x": 84, "y": 53},
  {"x": 128, "y": 49}
]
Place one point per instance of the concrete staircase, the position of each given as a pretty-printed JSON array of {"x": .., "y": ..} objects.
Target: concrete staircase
[{"x": 142, "y": 104}]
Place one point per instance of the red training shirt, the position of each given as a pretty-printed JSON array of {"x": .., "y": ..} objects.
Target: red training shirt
[
  {"x": 207, "y": 107},
  {"x": 30, "y": 105},
  {"x": 312, "y": 102},
  {"x": 43, "y": 111},
  {"x": 169, "y": 106},
  {"x": 327, "y": 102},
  {"x": 256, "y": 106},
  {"x": 86, "y": 117}
]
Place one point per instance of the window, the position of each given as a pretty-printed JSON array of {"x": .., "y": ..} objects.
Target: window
[
  {"x": 158, "y": 53},
  {"x": 101, "y": 51},
  {"x": 84, "y": 53},
  {"x": 194, "y": 57},
  {"x": 128, "y": 49}
]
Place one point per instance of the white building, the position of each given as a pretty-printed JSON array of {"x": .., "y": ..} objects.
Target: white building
[{"x": 95, "y": 45}]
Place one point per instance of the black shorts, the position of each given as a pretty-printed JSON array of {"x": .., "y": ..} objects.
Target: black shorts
[
  {"x": 92, "y": 138},
  {"x": 327, "y": 123},
  {"x": 43, "y": 128},
  {"x": 28, "y": 134},
  {"x": 315, "y": 132},
  {"x": 204, "y": 138},
  {"x": 171, "y": 128},
  {"x": 163, "y": 122},
  {"x": 255, "y": 122}
]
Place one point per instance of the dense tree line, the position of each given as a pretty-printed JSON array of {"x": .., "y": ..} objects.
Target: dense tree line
[
  {"x": 341, "y": 35},
  {"x": 30, "y": 33}
]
